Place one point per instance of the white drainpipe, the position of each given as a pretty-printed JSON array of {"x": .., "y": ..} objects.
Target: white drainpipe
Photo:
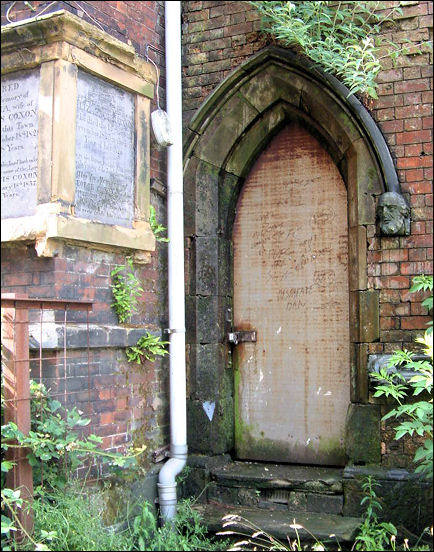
[{"x": 178, "y": 412}]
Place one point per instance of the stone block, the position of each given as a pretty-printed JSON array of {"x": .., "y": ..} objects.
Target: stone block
[
  {"x": 200, "y": 198},
  {"x": 365, "y": 185},
  {"x": 210, "y": 434},
  {"x": 364, "y": 316},
  {"x": 208, "y": 328},
  {"x": 363, "y": 436},
  {"x": 358, "y": 278},
  {"x": 207, "y": 265},
  {"x": 332, "y": 504},
  {"x": 224, "y": 129},
  {"x": 225, "y": 276},
  {"x": 406, "y": 498},
  {"x": 254, "y": 141},
  {"x": 207, "y": 366},
  {"x": 359, "y": 374},
  {"x": 229, "y": 190}
]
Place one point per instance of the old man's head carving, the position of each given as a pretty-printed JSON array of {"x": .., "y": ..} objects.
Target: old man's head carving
[{"x": 393, "y": 215}]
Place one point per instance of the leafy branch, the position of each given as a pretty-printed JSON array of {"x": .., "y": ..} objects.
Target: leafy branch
[{"x": 343, "y": 39}]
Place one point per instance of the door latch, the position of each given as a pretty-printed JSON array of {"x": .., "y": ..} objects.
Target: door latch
[{"x": 242, "y": 336}]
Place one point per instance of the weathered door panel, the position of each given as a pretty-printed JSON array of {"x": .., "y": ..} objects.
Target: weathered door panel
[{"x": 291, "y": 286}]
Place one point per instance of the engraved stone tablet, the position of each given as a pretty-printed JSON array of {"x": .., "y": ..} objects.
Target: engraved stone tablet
[
  {"x": 104, "y": 181},
  {"x": 19, "y": 143}
]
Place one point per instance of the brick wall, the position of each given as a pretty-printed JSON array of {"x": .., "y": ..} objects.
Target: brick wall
[
  {"x": 129, "y": 402},
  {"x": 219, "y": 36}
]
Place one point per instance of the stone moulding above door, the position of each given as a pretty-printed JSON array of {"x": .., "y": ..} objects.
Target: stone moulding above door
[{"x": 224, "y": 139}]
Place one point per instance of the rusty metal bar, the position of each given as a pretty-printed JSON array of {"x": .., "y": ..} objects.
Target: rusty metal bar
[
  {"x": 15, "y": 342},
  {"x": 16, "y": 361}
]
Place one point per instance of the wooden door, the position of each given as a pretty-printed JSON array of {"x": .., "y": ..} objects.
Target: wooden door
[{"x": 291, "y": 286}]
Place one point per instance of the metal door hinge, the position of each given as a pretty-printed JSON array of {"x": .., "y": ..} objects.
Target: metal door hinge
[{"x": 242, "y": 336}]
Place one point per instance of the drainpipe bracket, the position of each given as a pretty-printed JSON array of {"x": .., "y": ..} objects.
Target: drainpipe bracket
[{"x": 174, "y": 330}]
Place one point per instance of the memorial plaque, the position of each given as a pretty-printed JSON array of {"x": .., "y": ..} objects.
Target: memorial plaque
[
  {"x": 19, "y": 143},
  {"x": 104, "y": 181}
]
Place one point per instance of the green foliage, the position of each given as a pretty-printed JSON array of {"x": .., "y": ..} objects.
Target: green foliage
[
  {"x": 343, "y": 38},
  {"x": 126, "y": 289},
  {"x": 72, "y": 520},
  {"x": 424, "y": 283},
  {"x": 374, "y": 535},
  {"x": 185, "y": 533},
  {"x": 416, "y": 416},
  {"x": 54, "y": 449},
  {"x": 156, "y": 228},
  {"x": 147, "y": 347}
]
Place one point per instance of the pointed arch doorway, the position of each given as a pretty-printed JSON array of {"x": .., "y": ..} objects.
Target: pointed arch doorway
[
  {"x": 269, "y": 94},
  {"x": 290, "y": 241}
]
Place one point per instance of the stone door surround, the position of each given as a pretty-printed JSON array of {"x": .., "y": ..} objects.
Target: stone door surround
[{"x": 225, "y": 137}]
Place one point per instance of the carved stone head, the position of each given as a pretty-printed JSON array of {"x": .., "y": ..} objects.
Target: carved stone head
[{"x": 393, "y": 215}]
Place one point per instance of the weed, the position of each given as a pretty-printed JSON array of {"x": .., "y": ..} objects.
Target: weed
[
  {"x": 156, "y": 228},
  {"x": 147, "y": 347},
  {"x": 126, "y": 289}
]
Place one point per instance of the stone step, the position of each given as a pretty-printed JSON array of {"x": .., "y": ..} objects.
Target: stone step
[
  {"x": 325, "y": 528},
  {"x": 277, "y": 486}
]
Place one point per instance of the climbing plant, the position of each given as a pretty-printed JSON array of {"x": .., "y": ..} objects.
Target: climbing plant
[{"x": 342, "y": 38}]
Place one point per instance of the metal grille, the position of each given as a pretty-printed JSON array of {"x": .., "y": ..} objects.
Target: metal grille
[{"x": 46, "y": 341}]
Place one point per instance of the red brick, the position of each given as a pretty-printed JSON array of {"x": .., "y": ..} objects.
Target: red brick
[
  {"x": 418, "y": 227},
  {"x": 414, "y": 175},
  {"x": 390, "y": 296},
  {"x": 394, "y": 282},
  {"x": 412, "y": 137},
  {"x": 18, "y": 279},
  {"x": 421, "y": 267},
  {"x": 419, "y": 110},
  {"x": 385, "y": 114},
  {"x": 412, "y": 124},
  {"x": 422, "y": 240},
  {"x": 390, "y": 76},
  {"x": 417, "y": 254},
  {"x": 414, "y": 150},
  {"x": 417, "y": 309},
  {"x": 107, "y": 418},
  {"x": 415, "y": 322},
  {"x": 427, "y": 122},
  {"x": 395, "y": 255},
  {"x": 393, "y": 126},
  {"x": 417, "y": 85},
  {"x": 412, "y": 98},
  {"x": 414, "y": 162},
  {"x": 388, "y": 269},
  {"x": 421, "y": 213},
  {"x": 387, "y": 323}
]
